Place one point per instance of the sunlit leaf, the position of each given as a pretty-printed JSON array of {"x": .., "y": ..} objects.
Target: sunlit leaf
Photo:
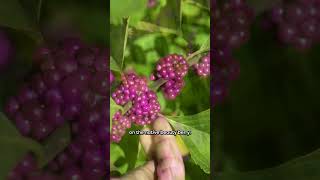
[
  {"x": 170, "y": 15},
  {"x": 117, "y": 158},
  {"x": 120, "y": 9},
  {"x": 119, "y": 35},
  {"x": 198, "y": 142}
]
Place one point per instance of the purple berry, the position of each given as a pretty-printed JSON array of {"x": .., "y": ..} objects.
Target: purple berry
[
  {"x": 26, "y": 94},
  {"x": 52, "y": 78},
  {"x": 28, "y": 164},
  {"x": 54, "y": 115},
  {"x": 203, "y": 67},
  {"x": 119, "y": 125},
  {"x": 297, "y": 23},
  {"x": 40, "y": 130},
  {"x": 38, "y": 84},
  {"x": 145, "y": 108},
  {"x": 172, "y": 68},
  {"x": 12, "y": 106},
  {"x": 33, "y": 110},
  {"x": 53, "y": 97},
  {"x": 100, "y": 84},
  {"x": 85, "y": 57},
  {"x": 73, "y": 173}
]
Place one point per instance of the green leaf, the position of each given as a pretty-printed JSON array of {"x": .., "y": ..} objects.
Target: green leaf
[
  {"x": 113, "y": 109},
  {"x": 142, "y": 157},
  {"x": 33, "y": 9},
  {"x": 14, "y": 147},
  {"x": 13, "y": 15},
  {"x": 201, "y": 4},
  {"x": 119, "y": 35},
  {"x": 116, "y": 159},
  {"x": 113, "y": 65},
  {"x": 157, "y": 84},
  {"x": 120, "y": 9},
  {"x": 306, "y": 167},
  {"x": 195, "y": 57},
  {"x": 198, "y": 142},
  {"x": 189, "y": 9},
  {"x": 137, "y": 54},
  {"x": 161, "y": 46},
  {"x": 130, "y": 145},
  {"x": 170, "y": 15},
  {"x": 205, "y": 46},
  {"x": 56, "y": 143},
  {"x": 149, "y": 27}
]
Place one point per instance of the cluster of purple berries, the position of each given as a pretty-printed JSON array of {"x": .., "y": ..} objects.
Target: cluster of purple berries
[
  {"x": 119, "y": 125},
  {"x": 203, "y": 67},
  {"x": 144, "y": 105},
  {"x": 172, "y": 68},
  {"x": 231, "y": 24},
  {"x": 225, "y": 70},
  {"x": 72, "y": 87},
  {"x": 298, "y": 23},
  {"x": 232, "y": 21}
]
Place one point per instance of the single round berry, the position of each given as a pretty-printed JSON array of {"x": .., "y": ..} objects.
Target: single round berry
[{"x": 12, "y": 106}]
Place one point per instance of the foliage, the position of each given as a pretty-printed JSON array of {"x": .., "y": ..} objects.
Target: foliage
[{"x": 165, "y": 29}]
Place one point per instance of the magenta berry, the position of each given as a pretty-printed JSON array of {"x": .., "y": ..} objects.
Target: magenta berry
[
  {"x": 145, "y": 108},
  {"x": 131, "y": 86},
  {"x": 144, "y": 104},
  {"x": 71, "y": 87},
  {"x": 119, "y": 125},
  {"x": 231, "y": 23},
  {"x": 172, "y": 68},
  {"x": 203, "y": 67},
  {"x": 225, "y": 70},
  {"x": 297, "y": 23}
]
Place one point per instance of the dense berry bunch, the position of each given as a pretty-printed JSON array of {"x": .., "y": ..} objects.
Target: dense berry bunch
[
  {"x": 231, "y": 24},
  {"x": 203, "y": 67},
  {"x": 298, "y": 23},
  {"x": 225, "y": 70},
  {"x": 232, "y": 20},
  {"x": 172, "y": 68},
  {"x": 144, "y": 104},
  {"x": 119, "y": 125},
  {"x": 145, "y": 108},
  {"x": 5, "y": 49},
  {"x": 131, "y": 86},
  {"x": 71, "y": 87}
]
